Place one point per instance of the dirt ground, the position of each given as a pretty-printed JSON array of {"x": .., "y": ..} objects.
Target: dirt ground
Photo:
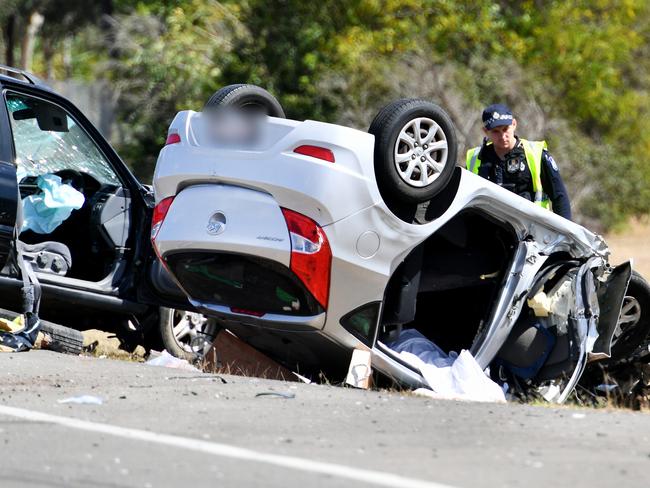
[{"x": 634, "y": 243}]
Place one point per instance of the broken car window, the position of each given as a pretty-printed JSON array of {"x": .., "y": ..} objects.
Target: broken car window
[{"x": 47, "y": 139}]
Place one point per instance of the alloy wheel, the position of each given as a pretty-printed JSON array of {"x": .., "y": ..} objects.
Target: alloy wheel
[{"x": 421, "y": 152}]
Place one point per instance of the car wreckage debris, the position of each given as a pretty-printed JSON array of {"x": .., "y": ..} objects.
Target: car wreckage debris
[
  {"x": 83, "y": 400},
  {"x": 15, "y": 337},
  {"x": 19, "y": 335},
  {"x": 166, "y": 360},
  {"x": 231, "y": 355},
  {"x": 276, "y": 394}
]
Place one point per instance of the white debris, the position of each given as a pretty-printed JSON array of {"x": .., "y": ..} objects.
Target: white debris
[
  {"x": 550, "y": 392},
  {"x": 168, "y": 361},
  {"x": 359, "y": 370},
  {"x": 607, "y": 388},
  {"x": 449, "y": 376},
  {"x": 83, "y": 399}
]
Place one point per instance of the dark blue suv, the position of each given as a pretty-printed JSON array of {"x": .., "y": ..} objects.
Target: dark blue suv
[{"x": 83, "y": 222}]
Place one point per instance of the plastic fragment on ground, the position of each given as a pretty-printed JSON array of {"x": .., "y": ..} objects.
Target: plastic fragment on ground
[
  {"x": 168, "y": 361},
  {"x": 359, "y": 371},
  {"x": 550, "y": 393},
  {"x": 83, "y": 400},
  {"x": 302, "y": 378},
  {"x": 276, "y": 394},
  {"x": 607, "y": 388}
]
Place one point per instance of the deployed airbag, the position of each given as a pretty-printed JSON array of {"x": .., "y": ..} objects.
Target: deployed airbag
[{"x": 46, "y": 210}]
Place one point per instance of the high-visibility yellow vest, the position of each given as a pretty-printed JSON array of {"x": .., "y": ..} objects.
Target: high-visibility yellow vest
[{"x": 533, "y": 151}]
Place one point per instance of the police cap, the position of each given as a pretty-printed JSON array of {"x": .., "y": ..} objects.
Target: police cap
[{"x": 496, "y": 115}]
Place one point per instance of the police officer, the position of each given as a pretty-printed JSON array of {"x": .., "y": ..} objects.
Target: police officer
[{"x": 522, "y": 166}]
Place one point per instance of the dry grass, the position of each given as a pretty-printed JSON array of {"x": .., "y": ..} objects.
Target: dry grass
[
  {"x": 632, "y": 242},
  {"x": 98, "y": 343}
]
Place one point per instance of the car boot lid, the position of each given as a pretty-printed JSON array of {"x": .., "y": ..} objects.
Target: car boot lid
[{"x": 226, "y": 218}]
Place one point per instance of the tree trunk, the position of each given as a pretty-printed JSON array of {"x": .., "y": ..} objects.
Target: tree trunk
[
  {"x": 67, "y": 57},
  {"x": 107, "y": 11},
  {"x": 29, "y": 39},
  {"x": 107, "y": 26},
  {"x": 10, "y": 29},
  {"x": 48, "y": 54}
]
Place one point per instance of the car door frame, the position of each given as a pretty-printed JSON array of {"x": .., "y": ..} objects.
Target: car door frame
[
  {"x": 8, "y": 190},
  {"x": 136, "y": 286}
]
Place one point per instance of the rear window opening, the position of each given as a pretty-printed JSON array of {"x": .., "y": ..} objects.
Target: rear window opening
[
  {"x": 242, "y": 282},
  {"x": 447, "y": 286}
]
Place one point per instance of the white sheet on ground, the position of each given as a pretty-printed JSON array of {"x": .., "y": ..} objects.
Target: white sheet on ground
[{"x": 449, "y": 376}]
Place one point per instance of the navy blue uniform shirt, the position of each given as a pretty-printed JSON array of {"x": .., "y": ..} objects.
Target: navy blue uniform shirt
[{"x": 513, "y": 173}]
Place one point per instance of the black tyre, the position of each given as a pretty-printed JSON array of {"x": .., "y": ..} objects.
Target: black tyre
[
  {"x": 246, "y": 97},
  {"x": 634, "y": 322},
  {"x": 415, "y": 150},
  {"x": 62, "y": 339},
  {"x": 185, "y": 334}
]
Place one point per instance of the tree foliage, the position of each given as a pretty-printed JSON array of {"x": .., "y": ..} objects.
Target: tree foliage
[
  {"x": 575, "y": 73},
  {"x": 163, "y": 64}
]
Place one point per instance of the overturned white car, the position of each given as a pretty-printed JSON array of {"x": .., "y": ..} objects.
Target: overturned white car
[{"x": 309, "y": 240}]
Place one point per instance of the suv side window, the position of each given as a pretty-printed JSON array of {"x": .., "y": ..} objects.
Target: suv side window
[{"x": 48, "y": 140}]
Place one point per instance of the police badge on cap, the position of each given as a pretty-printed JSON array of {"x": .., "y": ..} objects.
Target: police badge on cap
[{"x": 496, "y": 115}]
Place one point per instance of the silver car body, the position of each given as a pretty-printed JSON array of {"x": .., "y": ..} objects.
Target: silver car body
[{"x": 247, "y": 185}]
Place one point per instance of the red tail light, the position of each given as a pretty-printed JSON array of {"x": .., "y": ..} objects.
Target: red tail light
[
  {"x": 172, "y": 138},
  {"x": 311, "y": 255},
  {"x": 159, "y": 214},
  {"x": 247, "y": 312},
  {"x": 316, "y": 152}
]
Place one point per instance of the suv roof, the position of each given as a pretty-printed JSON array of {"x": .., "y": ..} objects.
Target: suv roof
[{"x": 10, "y": 75}]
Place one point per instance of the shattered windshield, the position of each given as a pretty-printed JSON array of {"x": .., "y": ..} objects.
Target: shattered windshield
[{"x": 48, "y": 140}]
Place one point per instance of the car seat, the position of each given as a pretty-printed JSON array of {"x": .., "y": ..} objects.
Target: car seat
[{"x": 48, "y": 256}]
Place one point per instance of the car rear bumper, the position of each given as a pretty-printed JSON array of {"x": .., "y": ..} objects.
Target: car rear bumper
[{"x": 229, "y": 249}]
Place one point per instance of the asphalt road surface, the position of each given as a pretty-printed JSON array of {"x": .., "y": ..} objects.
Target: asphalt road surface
[{"x": 159, "y": 427}]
